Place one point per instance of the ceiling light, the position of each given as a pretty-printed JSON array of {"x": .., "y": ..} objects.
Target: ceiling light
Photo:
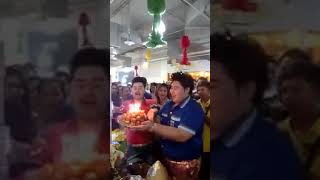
[{"x": 129, "y": 42}]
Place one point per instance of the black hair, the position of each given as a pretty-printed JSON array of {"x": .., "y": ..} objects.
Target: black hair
[
  {"x": 306, "y": 70},
  {"x": 244, "y": 61},
  {"x": 295, "y": 54},
  {"x": 185, "y": 80},
  {"x": 138, "y": 79},
  {"x": 204, "y": 83},
  {"x": 16, "y": 72},
  {"x": 202, "y": 78},
  {"x": 90, "y": 57}
]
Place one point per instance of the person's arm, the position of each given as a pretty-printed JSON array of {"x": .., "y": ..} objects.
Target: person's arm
[
  {"x": 171, "y": 133},
  {"x": 180, "y": 134}
]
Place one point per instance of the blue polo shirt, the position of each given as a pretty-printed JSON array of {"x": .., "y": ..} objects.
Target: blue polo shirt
[
  {"x": 188, "y": 116},
  {"x": 256, "y": 150}
]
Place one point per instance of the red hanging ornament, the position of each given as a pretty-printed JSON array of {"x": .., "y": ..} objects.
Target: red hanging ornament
[
  {"x": 230, "y": 4},
  {"x": 136, "y": 69},
  {"x": 240, "y": 5},
  {"x": 84, "y": 21},
  {"x": 185, "y": 43}
]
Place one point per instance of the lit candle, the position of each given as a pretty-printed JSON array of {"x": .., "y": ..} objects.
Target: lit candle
[{"x": 134, "y": 107}]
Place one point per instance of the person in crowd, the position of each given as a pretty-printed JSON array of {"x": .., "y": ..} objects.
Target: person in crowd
[
  {"x": 292, "y": 55},
  {"x": 34, "y": 83},
  {"x": 203, "y": 88},
  {"x": 52, "y": 105},
  {"x": 272, "y": 108},
  {"x": 153, "y": 88},
  {"x": 180, "y": 129},
  {"x": 299, "y": 89},
  {"x": 125, "y": 93},
  {"x": 18, "y": 118},
  {"x": 115, "y": 95},
  {"x": 88, "y": 92},
  {"x": 244, "y": 145},
  {"x": 17, "y": 106},
  {"x": 64, "y": 78},
  {"x": 146, "y": 94},
  {"x": 140, "y": 144},
  {"x": 162, "y": 94},
  {"x": 29, "y": 70}
]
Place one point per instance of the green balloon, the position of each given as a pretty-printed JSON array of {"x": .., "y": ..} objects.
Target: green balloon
[
  {"x": 156, "y": 6},
  {"x": 155, "y": 38}
]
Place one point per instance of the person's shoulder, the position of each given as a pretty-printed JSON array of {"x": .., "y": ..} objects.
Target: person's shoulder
[
  {"x": 270, "y": 148},
  {"x": 270, "y": 140},
  {"x": 267, "y": 131},
  {"x": 194, "y": 104}
]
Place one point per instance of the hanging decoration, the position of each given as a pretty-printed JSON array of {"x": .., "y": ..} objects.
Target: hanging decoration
[
  {"x": 84, "y": 21},
  {"x": 156, "y": 8},
  {"x": 241, "y": 5},
  {"x": 185, "y": 43},
  {"x": 148, "y": 55},
  {"x": 136, "y": 70}
]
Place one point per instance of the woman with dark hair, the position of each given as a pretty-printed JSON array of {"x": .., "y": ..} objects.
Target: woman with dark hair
[
  {"x": 162, "y": 94},
  {"x": 17, "y": 106},
  {"x": 18, "y": 118},
  {"x": 115, "y": 95}
]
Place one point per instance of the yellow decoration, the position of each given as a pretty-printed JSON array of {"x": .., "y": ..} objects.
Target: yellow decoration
[{"x": 148, "y": 55}]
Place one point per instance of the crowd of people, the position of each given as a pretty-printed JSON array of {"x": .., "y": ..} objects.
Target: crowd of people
[
  {"x": 178, "y": 124},
  {"x": 266, "y": 112},
  {"x": 265, "y": 125},
  {"x": 41, "y": 112}
]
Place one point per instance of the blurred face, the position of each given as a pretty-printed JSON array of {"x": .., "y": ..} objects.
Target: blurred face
[
  {"x": 163, "y": 93},
  {"x": 114, "y": 89},
  {"x": 298, "y": 95},
  {"x": 125, "y": 91},
  {"x": 203, "y": 92},
  {"x": 14, "y": 89},
  {"x": 138, "y": 91},
  {"x": 52, "y": 95},
  {"x": 153, "y": 88},
  {"x": 89, "y": 91},
  {"x": 229, "y": 101},
  {"x": 178, "y": 92}
]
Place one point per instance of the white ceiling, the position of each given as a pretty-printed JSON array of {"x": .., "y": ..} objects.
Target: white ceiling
[
  {"x": 282, "y": 15},
  {"x": 191, "y": 17}
]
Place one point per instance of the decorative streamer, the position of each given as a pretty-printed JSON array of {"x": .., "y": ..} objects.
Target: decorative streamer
[
  {"x": 84, "y": 21},
  {"x": 185, "y": 43},
  {"x": 156, "y": 8}
]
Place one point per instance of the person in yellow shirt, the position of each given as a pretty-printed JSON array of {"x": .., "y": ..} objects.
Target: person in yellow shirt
[
  {"x": 203, "y": 89},
  {"x": 299, "y": 89}
]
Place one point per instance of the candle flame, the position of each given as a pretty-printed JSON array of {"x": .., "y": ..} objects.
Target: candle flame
[{"x": 134, "y": 107}]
